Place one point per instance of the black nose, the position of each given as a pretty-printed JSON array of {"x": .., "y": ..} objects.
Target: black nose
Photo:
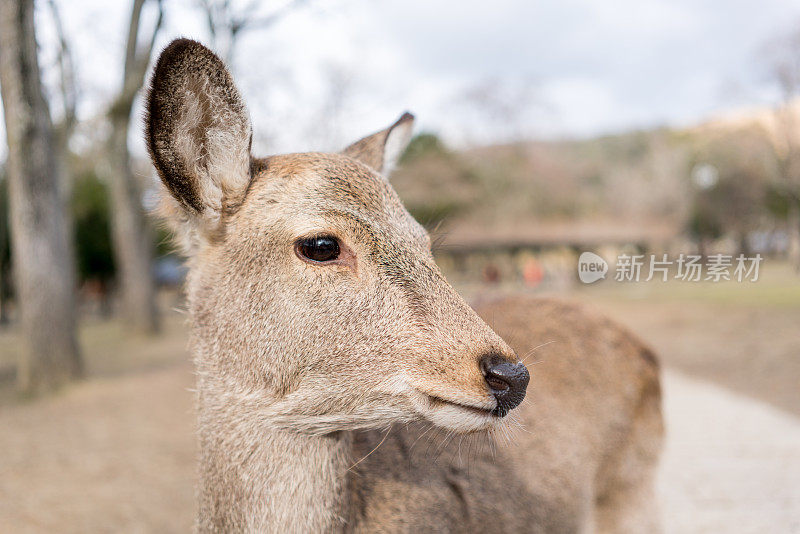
[{"x": 506, "y": 380}]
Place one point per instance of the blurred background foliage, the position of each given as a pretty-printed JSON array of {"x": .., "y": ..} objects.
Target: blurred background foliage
[
  {"x": 90, "y": 208},
  {"x": 643, "y": 177}
]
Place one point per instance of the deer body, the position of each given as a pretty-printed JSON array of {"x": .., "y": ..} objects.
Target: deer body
[
  {"x": 343, "y": 385},
  {"x": 586, "y": 457}
]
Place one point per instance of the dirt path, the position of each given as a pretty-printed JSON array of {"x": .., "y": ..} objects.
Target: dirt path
[
  {"x": 110, "y": 455},
  {"x": 117, "y": 455}
]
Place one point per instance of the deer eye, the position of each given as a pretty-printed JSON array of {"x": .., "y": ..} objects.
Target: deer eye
[{"x": 320, "y": 249}]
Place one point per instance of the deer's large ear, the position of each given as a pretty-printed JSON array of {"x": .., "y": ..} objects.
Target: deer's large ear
[
  {"x": 198, "y": 132},
  {"x": 381, "y": 150}
]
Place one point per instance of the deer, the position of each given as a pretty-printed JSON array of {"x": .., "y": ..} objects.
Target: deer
[{"x": 329, "y": 348}]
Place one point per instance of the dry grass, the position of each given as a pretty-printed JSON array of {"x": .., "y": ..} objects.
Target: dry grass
[{"x": 743, "y": 336}]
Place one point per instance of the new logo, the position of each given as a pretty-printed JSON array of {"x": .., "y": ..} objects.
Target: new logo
[{"x": 591, "y": 267}]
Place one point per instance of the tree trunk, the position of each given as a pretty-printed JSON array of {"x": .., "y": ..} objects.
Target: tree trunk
[
  {"x": 43, "y": 270},
  {"x": 131, "y": 235},
  {"x": 744, "y": 243},
  {"x": 702, "y": 247},
  {"x": 130, "y": 232},
  {"x": 793, "y": 231},
  {"x": 3, "y": 244},
  {"x": 3, "y": 311}
]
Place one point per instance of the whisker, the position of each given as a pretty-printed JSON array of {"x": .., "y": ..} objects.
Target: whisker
[
  {"x": 528, "y": 354},
  {"x": 443, "y": 446},
  {"x": 420, "y": 436},
  {"x": 373, "y": 450}
]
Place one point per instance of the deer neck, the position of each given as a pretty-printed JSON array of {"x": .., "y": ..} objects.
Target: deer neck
[{"x": 257, "y": 478}]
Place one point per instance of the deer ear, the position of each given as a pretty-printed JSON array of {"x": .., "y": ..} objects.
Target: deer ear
[
  {"x": 381, "y": 150},
  {"x": 198, "y": 131}
]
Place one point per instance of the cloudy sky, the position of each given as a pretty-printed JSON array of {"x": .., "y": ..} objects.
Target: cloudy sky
[{"x": 474, "y": 71}]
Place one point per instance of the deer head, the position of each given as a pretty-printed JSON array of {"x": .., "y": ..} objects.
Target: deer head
[{"x": 315, "y": 299}]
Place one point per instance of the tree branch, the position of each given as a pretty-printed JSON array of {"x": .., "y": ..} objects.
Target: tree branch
[
  {"x": 133, "y": 33},
  {"x": 269, "y": 20},
  {"x": 68, "y": 86},
  {"x": 221, "y": 19},
  {"x": 136, "y": 60},
  {"x": 147, "y": 53}
]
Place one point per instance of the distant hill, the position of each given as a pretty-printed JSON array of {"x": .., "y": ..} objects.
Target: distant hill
[
  {"x": 615, "y": 182},
  {"x": 637, "y": 182},
  {"x": 768, "y": 120}
]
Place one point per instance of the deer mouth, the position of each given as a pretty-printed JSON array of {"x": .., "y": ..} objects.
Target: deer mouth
[
  {"x": 438, "y": 401},
  {"x": 456, "y": 415}
]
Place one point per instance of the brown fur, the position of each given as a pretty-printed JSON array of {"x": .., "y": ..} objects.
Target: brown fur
[
  {"x": 331, "y": 397},
  {"x": 372, "y": 150}
]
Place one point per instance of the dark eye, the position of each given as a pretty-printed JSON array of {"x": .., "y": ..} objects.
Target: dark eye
[{"x": 322, "y": 248}]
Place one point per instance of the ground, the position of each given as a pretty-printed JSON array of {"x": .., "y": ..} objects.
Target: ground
[{"x": 115, "y": 452}]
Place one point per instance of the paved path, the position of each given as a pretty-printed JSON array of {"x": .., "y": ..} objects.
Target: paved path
[{"x": 731, "y": 464}]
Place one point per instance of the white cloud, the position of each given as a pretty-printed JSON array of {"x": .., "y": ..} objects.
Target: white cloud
[{"x": 599, "y": 66}]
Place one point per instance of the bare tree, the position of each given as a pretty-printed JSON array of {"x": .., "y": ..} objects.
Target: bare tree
[
  {"x": 326, "y": 126},
  {"x": 3, "y": 245},
  {"x": 130, "y": 231},
  {"x": 44, "y": 273},
  {"x": 226, "y": 23},
  {"x": 784, "y": 69},
  {"x": 505, "y": 105},
  {"x": 68, "y": 90}
]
